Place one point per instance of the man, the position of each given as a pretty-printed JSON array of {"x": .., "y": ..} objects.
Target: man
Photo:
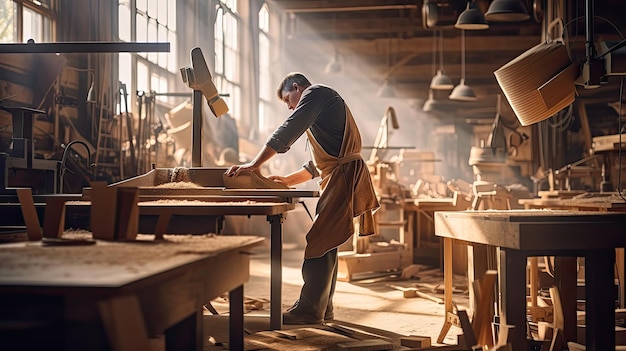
[{"x": 346, "y": 186}]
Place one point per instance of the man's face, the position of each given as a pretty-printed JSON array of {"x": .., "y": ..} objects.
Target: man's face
[{"x": 291, "y": 98}]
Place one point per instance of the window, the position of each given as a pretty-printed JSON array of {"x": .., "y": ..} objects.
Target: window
[
  {"x": 26, "y": 19},
  {"x": 149, "y": 21},
  {"x": 227, "y": 75},
  {"x": 265, "y": 84}
]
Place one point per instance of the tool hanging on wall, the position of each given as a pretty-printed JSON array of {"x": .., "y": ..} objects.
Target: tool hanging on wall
[{"x": 129, "y": 128}]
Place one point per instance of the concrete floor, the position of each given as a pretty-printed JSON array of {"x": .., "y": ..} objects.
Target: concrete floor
[{"x": 373, "y": 304}]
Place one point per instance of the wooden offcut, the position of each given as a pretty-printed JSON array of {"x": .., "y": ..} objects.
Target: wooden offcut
[
  {"x": 114, "y": 212},
  {"x": 415, "y": 341},
  {"x": 27, "y": 205},
  {"x": 351, "y": 263},
  {"x": 127, "y": 213},
  {"x": 54, "y": 217},
  {"x": 103, "y": 205},
  {"x": 251, "y": 180},
  {"x": 366, "y": 345}
]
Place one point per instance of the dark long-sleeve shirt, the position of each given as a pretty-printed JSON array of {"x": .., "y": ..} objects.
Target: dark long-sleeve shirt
[{"x": 320, "y": 109}]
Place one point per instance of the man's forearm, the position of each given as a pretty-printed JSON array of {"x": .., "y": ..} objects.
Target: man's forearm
[
  {"x": 263, "y": 156},
  {"x": 298, "y": 177}
]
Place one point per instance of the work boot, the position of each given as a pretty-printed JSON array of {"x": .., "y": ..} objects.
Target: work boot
[
  {"x": 300, "y": 314},
  {"x": 329, "y": 315}
]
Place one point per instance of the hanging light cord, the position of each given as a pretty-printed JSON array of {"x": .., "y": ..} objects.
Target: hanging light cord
[
  {"x": 441, "y": 53},
  {"x": 463, "y": 55},
  {"x": 619, "y": 150},
  {"x": 434, "y": 52}
]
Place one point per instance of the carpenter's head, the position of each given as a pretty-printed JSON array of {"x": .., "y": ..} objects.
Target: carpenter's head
[{"x": 291, "y": 88}]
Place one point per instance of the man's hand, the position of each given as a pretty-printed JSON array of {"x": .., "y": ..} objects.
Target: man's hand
[
  {"x": 235, "y": 170},
  {"x": 279, "y": 179}
]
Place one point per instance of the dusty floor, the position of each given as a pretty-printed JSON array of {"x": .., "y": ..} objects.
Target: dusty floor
[{"x": 372, "y": 304}]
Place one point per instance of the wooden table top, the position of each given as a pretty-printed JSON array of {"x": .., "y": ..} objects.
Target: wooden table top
[
  {"x": 609, "y": 203},
  {"x": 206, "y": 208},
  {"x": 198, "y": 191},
  {"x": 109, "y": 264},
  {"x": 534, "y": 229},
  {"x": 434, "y": 200}
]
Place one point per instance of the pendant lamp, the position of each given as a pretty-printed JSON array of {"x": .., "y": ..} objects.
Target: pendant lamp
[
  {"x": 441, "y": 81},
  {"x": 431, "y": 104},
  {"x": 507, "y": 11},
  {"x": 471, "y": 18},
  {"x": 463, "y": 92}
]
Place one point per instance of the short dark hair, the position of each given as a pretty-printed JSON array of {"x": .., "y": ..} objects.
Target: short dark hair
[{"x": 287, "y": 83}]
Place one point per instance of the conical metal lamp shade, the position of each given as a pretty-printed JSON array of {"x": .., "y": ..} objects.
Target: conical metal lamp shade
[
  {"x": 507, "y": 11},
  {"x": 463, "y": 92},
  {"x": 441, "y": 82},
  {"x": 471, "y": 19},
  {"x": 387, "y": 90},
  {"x": 431, "y": 104}
]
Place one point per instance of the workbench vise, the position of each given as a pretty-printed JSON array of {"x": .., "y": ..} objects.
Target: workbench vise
[{"x": 198, "y": 77}]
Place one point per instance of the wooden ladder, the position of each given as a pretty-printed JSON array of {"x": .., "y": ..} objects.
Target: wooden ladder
[{"x": 108, "y": 157}]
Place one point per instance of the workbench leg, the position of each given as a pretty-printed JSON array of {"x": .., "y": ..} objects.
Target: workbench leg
[
  {"x": 186, "y": 335},
  {"x": 619, "y": 266},
  {"x": 512, "y": 279},
  {"x": 600, "y": 300},
  {"x": 123, "y": 323},
  {"x": 534, "y": 280},
  {"x": 161, "y": 226},
  {"x": 235, "y": 320},
  {"x": 447, "y": 288},
  {"x": 276, "y": 256}
]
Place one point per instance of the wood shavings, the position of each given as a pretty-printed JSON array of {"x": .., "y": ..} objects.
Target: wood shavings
[{"x": 178, "y": 185}]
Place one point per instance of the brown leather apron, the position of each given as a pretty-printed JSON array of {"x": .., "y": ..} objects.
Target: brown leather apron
[{"x": 347, "y": 192}]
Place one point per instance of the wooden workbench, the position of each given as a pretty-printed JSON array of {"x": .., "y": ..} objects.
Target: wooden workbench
[
  {"x": 420, "y": 214},
  {"x": 519, "y": 234},
  {"x": 210, "y": 205},
  {"x": 118, "y": 295},
  {"x": 274, "y": 211}
]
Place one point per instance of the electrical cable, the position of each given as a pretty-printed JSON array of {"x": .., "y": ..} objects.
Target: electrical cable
[
  {"x": 563, "y": 124},
  {"x": 600, "y": 17}
]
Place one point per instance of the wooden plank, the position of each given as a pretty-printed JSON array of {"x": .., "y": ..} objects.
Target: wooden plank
[
  {"x": 127, "y": 213},
  {"x": 29, "y": 213},
  {"x": 353, "y": 263},
  {"x": 468, "y": 331},
  {"x": 366, "y": 345},
  {"x": 484, "y": 310},
  {"x": 415, "y": 341},
  {"x": 447, "y": 297},
  {"x": 103, "y": 203},
  {"x": 54, "y": 217}
]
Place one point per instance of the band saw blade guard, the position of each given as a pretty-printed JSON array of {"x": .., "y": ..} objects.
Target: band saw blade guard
[{"x": 198, "y": 77}]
